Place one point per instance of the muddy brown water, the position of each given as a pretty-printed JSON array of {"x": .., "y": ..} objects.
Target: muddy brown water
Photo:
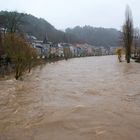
[{"x": 93, "y": 98}]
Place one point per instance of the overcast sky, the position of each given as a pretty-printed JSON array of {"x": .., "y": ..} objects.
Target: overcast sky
[{"x": 69, "y": 13}]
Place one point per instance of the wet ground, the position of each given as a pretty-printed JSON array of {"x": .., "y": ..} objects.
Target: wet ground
[{"x": 95, "y": 98}]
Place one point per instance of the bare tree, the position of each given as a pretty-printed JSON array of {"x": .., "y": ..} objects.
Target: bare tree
[
  {"x": 20, "y": 52},
  {"x": 128, "y": 33}
]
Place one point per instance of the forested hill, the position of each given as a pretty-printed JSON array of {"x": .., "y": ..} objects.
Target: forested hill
[
  {"x": 96, "y": 36},
  {"x": 32, "y": 25},
  {"x": 39, "y": 27}
]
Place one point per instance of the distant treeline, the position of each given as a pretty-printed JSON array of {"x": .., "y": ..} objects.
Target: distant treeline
[
  {"x": 39, "y": 28},
  {"x": 96, "y": 36}
]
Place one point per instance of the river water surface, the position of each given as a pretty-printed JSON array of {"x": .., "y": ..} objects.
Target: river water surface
[{"x": 93, "y": 98}]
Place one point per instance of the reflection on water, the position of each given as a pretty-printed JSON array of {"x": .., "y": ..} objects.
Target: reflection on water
[{"x": 79, "y": 99}]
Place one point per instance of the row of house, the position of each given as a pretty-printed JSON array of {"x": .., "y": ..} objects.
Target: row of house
[{"x": 51, "y": 50}]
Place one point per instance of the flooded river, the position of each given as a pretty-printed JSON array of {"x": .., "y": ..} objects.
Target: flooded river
[{"x": 93, "y": 98}]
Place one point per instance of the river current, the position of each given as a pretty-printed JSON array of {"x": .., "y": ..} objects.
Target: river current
[{"x": 92, "y": 98}]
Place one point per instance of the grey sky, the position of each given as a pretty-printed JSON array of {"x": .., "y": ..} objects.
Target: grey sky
[{"x": 69, "y": 13}]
